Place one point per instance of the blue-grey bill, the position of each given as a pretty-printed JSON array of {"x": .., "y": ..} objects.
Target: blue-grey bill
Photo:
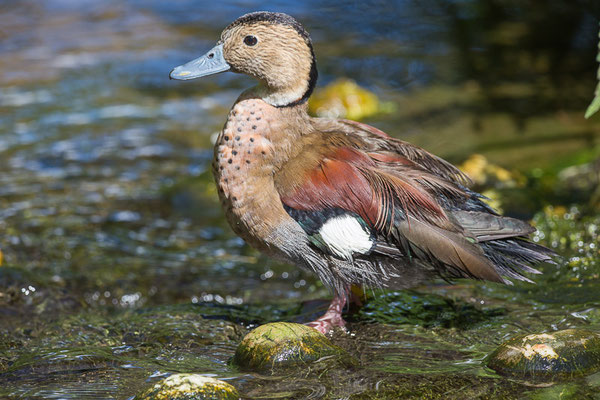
[{"x": 210, "y": 63}]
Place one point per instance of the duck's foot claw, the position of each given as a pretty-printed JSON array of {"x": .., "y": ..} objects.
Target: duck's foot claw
[
  {"x": 332, "y": 318},
  {"x": 328, "y": 323}
]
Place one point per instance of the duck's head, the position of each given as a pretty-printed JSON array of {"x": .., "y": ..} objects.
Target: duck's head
[{"x": 271, "y": 47}]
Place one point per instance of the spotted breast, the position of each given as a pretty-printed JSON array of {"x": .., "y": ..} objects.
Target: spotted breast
[{"x": 254, "y": 142}]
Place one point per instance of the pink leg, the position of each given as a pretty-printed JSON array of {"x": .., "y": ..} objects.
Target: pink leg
[{"x": 332, "y": 318}]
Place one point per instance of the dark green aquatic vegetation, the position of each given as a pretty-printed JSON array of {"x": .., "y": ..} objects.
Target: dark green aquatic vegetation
[
  {"x": 428, "y": 310},
  {"x": 441, "y": 387}
]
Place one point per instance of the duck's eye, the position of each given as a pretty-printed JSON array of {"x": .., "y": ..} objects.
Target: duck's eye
[{"x": 250, "y": 40}]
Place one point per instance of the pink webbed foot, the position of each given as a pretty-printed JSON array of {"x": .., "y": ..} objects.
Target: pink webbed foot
[{"x": 332, "y": 317}]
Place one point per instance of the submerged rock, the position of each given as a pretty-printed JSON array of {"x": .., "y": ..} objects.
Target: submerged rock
[
  {"x": 281, "y": 344},
  {"x": 548, "y": 355},
  {"x": 190, "y": 387}
]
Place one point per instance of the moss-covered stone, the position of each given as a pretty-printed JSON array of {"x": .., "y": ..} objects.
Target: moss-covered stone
[
  {"x": 281, "y": 344},
  {"x": 190, "y": 387},
  {"x": 548, "y": 355}
]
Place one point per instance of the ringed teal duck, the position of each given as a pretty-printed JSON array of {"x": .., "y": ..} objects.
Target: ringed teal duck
[{"x": 340, "y": 198}]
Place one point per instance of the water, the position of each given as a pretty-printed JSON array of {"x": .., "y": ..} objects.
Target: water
[{"x": 118, "y": 266}]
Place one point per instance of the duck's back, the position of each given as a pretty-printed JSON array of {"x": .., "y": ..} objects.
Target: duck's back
[{"x": 373, "y": 205}]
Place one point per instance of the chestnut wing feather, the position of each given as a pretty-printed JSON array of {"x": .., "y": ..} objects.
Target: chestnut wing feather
[
  {"x": 419, "y": 156},
  {"x": 396, "y": 200}
]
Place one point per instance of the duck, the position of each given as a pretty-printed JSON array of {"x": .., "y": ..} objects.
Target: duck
[{"x": 340, "y": 198}]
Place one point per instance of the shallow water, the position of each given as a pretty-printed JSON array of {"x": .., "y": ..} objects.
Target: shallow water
[{"x": 118, "y": 267}]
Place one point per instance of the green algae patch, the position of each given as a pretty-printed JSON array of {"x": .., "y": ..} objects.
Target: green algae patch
[
  {"x": 568, "y": 352},
  {"x": 190, "y": 387},
  {"x": 281, "y": 344}
]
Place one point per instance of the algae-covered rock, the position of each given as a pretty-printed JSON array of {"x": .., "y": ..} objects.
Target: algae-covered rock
[
  {"x": 548, "y": 355},
  {"x": 345, "y": 99},
  {"x": 190, "y": 387},
  {"x": 281, "y": 344}
]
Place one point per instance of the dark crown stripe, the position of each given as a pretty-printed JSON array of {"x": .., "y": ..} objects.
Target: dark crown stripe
[{"x": 273, "y": 17}]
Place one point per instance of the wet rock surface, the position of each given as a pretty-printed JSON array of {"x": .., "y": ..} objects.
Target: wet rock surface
[
  {"x": 548, "y": 355},
  {"x": 274, "y": 346},
  {"x": 190, "y": 387}
]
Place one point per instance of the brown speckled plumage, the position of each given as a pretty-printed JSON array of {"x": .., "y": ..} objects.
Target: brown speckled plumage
[
  {"x": 244, "y": 154},
  {"x": 341, "y": 198}
]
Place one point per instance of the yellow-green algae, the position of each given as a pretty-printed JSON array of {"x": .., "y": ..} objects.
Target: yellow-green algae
[
  {"x": 345, "y": 99},
  {"x": 190, "y": 387},
  {"x": 548, "y": 355},
  {"x": 486, "y": 174},
  {"x": 281, "y": 344}
]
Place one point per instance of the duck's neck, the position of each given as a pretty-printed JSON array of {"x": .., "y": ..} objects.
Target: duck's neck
[
  {"x": 284, "y": 97},
  {"x": 294, "y": 90}
]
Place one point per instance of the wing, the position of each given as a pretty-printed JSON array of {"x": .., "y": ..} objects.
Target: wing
[
  {"x": 382, "y": 142},
  {"x": 354, "y": 204}
]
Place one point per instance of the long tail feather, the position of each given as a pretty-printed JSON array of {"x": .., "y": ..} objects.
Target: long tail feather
[{"x": 511, "y": 257}]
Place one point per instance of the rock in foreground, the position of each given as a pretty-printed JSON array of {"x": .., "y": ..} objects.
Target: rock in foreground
[
  {"x": 548, "y": 355},
  {"x": 190, "y": 387},
  {"x": 281, "y": 344}
]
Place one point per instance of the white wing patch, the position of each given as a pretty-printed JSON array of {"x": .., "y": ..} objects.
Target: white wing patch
[{"x": 344, "y": 235}]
